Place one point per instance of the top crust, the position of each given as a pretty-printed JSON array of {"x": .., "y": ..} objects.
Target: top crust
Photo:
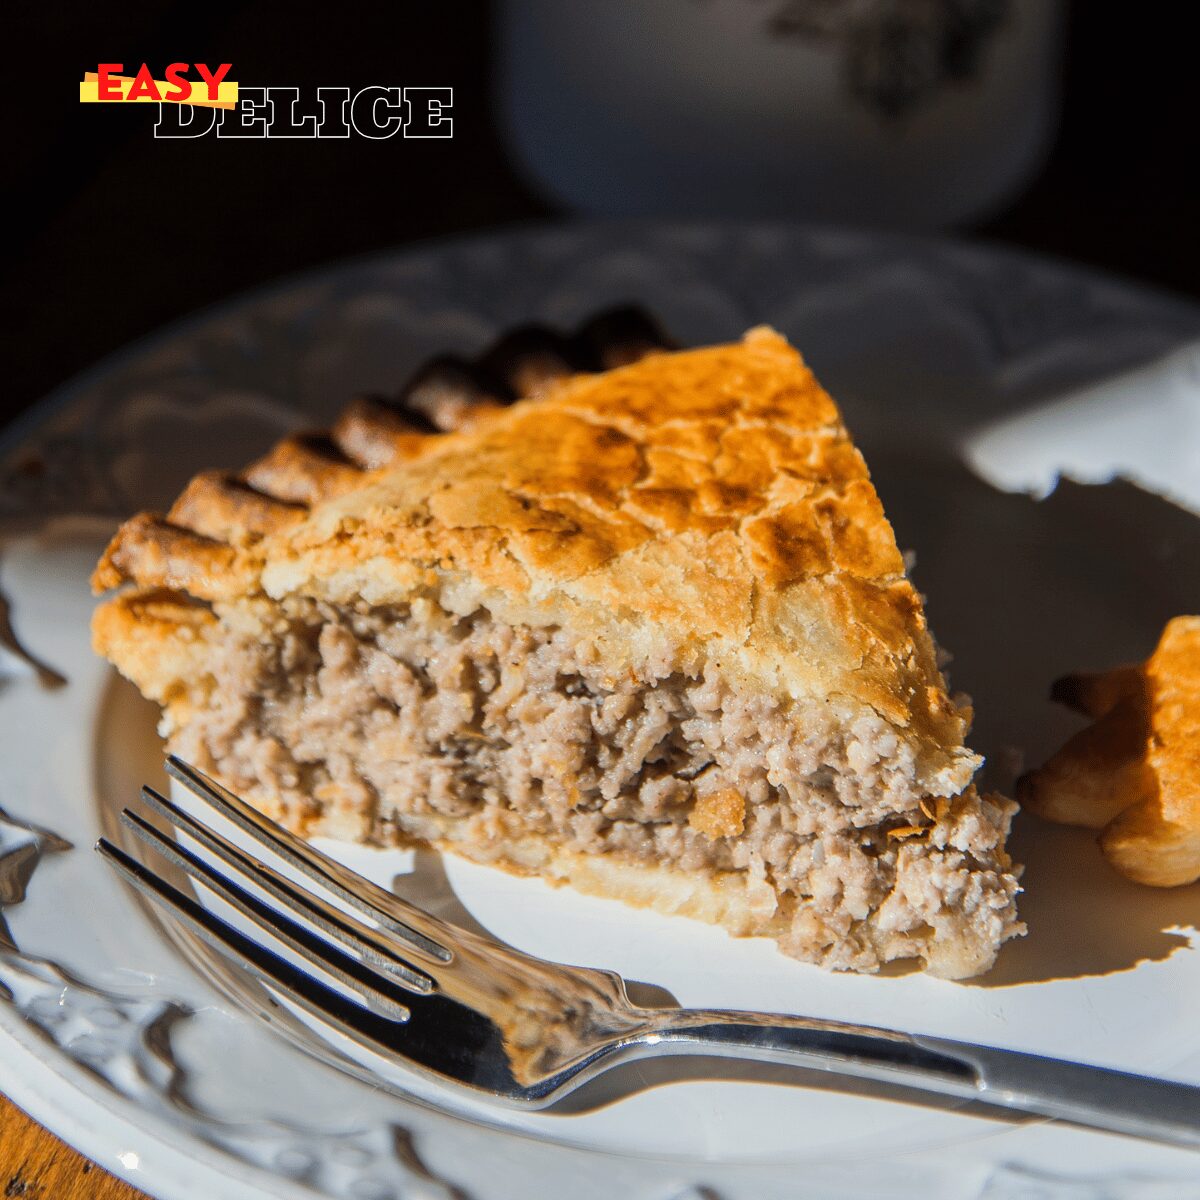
[{"x": 706, "y": 505}]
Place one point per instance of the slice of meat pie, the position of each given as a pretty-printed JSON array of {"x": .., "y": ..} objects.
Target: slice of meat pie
[{"x": 645, "y": 632}]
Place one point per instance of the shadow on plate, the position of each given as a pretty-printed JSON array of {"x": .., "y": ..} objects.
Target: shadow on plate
[{"x": 1023, "y": 591}]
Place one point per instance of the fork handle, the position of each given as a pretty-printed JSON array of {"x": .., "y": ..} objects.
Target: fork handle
[{"x": 1115, "y": 1101}]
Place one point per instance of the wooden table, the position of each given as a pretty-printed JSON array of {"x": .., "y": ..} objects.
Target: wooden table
[{"x": 35, "y": 1165}]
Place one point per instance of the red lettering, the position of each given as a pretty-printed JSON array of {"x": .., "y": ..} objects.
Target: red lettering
[
  {"x": 106, "y": 89},
  {"x": 143, "y": 85},
  {"x": 214, "y": 80},
  {"x": 183, "y": 87}
]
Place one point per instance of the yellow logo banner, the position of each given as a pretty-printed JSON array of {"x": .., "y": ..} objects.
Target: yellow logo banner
[{"x": 141, "y": 89}]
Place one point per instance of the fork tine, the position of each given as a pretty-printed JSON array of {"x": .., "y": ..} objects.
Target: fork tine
[
  {"x": 377, "y": 991},
  {"x": 362, "y": 939},
  {"x": 445, "y": 1040},
  {"x": 422, "y": 931},
  {"x": 303, "y": 989}
]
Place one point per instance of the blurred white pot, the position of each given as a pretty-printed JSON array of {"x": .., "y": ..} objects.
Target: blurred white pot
[{"x": 913, "y": 114}]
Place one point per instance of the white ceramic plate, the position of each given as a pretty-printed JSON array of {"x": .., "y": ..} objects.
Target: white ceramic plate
[{"x": 139, "y": 1047}]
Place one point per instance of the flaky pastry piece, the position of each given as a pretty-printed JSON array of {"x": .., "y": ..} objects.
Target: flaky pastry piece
[
  {"x": 645, "y": 631},
  {"x": 1134, "y": 773}
]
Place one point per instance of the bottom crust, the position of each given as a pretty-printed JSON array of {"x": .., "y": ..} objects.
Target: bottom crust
[
  {"x": 730, "y": 899},
  {"x": 740, "y": 904}
]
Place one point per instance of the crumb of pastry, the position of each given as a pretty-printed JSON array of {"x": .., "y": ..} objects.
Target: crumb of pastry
[{"x": 1134, "y": 773}]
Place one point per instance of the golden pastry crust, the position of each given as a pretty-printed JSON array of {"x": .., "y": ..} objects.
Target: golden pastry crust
[
  {"x": 703, "y": 504},
  {"x": 1135, "y": 773}
]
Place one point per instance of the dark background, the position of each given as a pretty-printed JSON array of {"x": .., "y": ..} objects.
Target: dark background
[{"x": 117, "y": 232}]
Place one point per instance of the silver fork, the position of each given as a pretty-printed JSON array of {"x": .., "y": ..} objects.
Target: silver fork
[{"x": 462, "y": 1008}]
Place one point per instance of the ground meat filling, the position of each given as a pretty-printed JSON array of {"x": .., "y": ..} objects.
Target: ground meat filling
[{"x": 381, "y": 723}]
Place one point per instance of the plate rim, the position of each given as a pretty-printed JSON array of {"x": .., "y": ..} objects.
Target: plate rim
[
  {"x": 175, "y": 1169},
  {"x": 31, "y": 419}
]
